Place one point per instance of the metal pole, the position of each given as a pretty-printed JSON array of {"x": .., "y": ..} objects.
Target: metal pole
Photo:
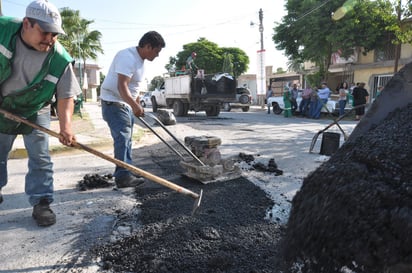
[
  {"x": 80, "y": 67},
  {"x": 261, "y": 28},
  {"x": 262, "y": 86}
]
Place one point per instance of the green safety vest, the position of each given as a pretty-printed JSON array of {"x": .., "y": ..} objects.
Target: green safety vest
[{"x": 27, "y": 101}]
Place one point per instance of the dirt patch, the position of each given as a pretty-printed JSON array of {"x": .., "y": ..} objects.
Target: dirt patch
[{"x": 354, "y": 213}]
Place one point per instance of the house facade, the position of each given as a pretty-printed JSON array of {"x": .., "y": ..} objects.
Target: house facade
[
  {"x": 375, "y": 68},
  {"x": 89, "y": 80}
]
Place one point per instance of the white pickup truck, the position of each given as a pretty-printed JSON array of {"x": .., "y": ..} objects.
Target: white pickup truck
[{"x": 278, "y": 105}]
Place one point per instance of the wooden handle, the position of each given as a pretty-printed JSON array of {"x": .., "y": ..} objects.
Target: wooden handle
[{"x": 119, "y": 163}]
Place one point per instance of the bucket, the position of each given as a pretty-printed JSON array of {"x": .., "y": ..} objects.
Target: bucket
[{"x": 330, "y": 143}]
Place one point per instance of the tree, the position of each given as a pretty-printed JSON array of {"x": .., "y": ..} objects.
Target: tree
[
  {"x": 227, "y": 64},
  {"x": 156, "y": 83},
  {"x": 308, "y": 33},
  {"x": 210, "y": 57},
  {"x": 81, "y": 43},
  {"x": 171, "y": 66}
]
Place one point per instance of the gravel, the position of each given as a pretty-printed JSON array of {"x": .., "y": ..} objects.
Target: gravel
[
  {"x": 229, "y": 232},
  {"x": 354, "y": 212}
]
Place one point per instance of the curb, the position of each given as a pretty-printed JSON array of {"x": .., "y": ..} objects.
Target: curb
[{"x": 19, "y": 153}]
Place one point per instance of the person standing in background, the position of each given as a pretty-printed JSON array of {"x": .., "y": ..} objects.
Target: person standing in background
[
  {"x": 287, "y": 111},
  {"x": 323, "y": 96},
  {"x": 343, "y": 97},
  {"x": 191, "y": 67},
  {"x": 304, "y": 103},
  {"x": 119, "y": 97},
  {"x": 360, "y": 97},
  {"x": 313, "y": 105},
  {"x": 379, "y": 91},
  {"x": 294, "y": 93}
]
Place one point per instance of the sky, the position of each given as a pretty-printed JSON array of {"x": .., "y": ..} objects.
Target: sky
[{"x": 226, "y": 23}]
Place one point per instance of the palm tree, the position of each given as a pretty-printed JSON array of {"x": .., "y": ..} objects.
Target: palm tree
[{"x": 81, "y": 43}]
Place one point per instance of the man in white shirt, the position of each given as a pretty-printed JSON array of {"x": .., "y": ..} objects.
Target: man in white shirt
[{"x": 120, "y": 103}]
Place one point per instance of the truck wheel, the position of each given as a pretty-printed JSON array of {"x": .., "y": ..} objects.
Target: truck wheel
[
  {"x": 185, "y": 109},
  {"x": 178, "y": 109},
  {"x": 245, "y": 109},
  {"x": 213, "y": 111},
  {"x": 276, "y": 109},
  {"x": 244, "y": 99},
  {"x": 154, "y": 104},
  {"x": 226, "y": 106}
]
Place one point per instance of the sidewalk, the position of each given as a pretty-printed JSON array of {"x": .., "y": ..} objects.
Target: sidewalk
[{"x": 90, "y": 130}]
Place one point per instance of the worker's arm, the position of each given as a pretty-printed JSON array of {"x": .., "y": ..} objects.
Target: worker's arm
[
  {"x": 65, "y": 108},
  {"x": 123, "y": 87}
]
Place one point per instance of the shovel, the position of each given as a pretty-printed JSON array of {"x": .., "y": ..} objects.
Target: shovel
[
  {"x": 335, "y": 122},
  {"x": 159, "y": 180}
]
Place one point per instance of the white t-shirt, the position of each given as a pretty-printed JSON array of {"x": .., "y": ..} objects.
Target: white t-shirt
[{"x": 127, "y": 62}]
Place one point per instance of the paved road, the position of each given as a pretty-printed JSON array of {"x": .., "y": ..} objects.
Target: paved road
[{"x": 84, "y": 218}]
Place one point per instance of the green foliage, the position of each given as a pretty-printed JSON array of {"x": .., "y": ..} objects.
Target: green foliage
[
  {"x": 81, "y": 43},
  {"x": 210, "y": 57},
  {"x": 227, "y": 64},
  {"x": 308, "y": 33},
  {"x": 156, "y": 82},
  {"x": 314, "y": 79},
  {"x": 171, "y": 66}
]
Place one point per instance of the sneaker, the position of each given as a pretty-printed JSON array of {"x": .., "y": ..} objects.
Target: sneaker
[
  {"x": 1, "y": 197},
  {"x": 43, "y": 215},
  {"x": 129, "y": 181}
]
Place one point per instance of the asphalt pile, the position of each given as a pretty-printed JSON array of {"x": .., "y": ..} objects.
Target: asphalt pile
[
  {"x": 354, "y": 213},
  {"x": 227, "y": 233},
  {"x": 95, "y": 181}
]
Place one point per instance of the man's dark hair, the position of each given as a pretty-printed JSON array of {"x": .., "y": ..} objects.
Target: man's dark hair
[
  {"x": 153, "y": 38},
  {"x": 31, "y": 21}
]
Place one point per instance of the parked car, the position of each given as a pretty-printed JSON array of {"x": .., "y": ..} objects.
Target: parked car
[
  {"x": 243, "y": 100},
  {"x": 145, "y": 99}
]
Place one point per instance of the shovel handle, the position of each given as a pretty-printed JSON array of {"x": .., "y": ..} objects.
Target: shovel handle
[{"x": 119, "y": 163}]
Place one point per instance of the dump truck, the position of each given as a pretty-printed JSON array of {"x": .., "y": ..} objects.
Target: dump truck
[{"x": 196, "y": 93}]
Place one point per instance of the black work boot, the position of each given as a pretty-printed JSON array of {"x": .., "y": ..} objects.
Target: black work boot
[
  {"x": 129, "y": 181},
  {"x": 43, "y": 215}
]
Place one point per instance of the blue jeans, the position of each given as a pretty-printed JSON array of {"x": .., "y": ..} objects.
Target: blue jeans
[
  {"x": 39, "y": 178},
  {"x": 313, "y": 106},
  {"x": 120, "y": 119},
  {"x": 342, "y": 104},
  {"x": 304, "y": 106},
  {"x": 320, "y": 103}
]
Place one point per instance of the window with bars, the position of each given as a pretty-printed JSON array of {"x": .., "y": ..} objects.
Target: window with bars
[
  {"x": 385, "y": 54},
  {"x": 380, "y": 80}
]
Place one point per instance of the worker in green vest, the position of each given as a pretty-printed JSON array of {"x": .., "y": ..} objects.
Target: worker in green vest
[
  {"x": 287, "y": 100},
  {"x": 35, "y": 69}
]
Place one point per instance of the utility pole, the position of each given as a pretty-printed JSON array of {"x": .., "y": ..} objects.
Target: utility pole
[
  {"x": 261, "y": 28},
  {"x": 262, "y": 74}
]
